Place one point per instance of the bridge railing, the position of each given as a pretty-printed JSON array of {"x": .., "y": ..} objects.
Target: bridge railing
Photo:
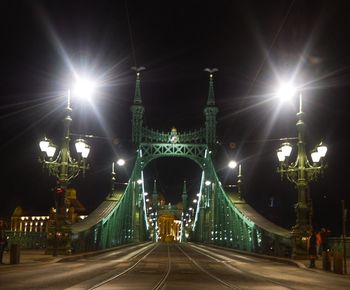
[{"x": 27, "y": 240}]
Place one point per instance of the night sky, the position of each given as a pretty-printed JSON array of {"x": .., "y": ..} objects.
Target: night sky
[{"x": 254, "y": 44}]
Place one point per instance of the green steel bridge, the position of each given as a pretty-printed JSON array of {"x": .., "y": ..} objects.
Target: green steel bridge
[{"x": 221, "y": 218}]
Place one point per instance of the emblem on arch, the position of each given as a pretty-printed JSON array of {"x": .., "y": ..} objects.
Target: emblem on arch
[{"x": 173, "y": 137}]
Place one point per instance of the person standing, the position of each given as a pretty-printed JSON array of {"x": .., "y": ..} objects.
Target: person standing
[
  {"x": 324, "y": 239},
  {"x": 312, "y": 249},
  {"x": 318, "y": 243}
]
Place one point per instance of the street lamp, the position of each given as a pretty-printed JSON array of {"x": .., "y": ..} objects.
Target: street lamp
[
  {"x": 232, "y": 165},
  {"x": 64, "y": 168},
  {"x": 120, "y": 162},
  {"x": 301, "y": 172}
]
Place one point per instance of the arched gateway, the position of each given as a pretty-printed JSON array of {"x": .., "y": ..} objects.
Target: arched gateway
[{"x": 220, "y": 218}]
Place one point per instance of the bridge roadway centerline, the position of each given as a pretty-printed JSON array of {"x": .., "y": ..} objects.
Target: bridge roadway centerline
[{"x": 168, "y": 266}]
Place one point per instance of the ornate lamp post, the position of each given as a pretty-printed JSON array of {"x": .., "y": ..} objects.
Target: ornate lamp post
[
  {"x": 64, "y": 168},
  {"x": 301, "y": 172}
]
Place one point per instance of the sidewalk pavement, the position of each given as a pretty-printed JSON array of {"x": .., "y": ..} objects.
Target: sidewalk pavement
[
  {"x": 31, "y": 256},
  {"x": 39, "y": 256},
  {"x": 319, "y": 265}
]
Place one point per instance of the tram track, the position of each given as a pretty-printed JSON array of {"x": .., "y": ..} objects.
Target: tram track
[
  {"x": 127, "y": 270},
  {"x": 162, "y": 282},
  {"x": 221, "y": 281},
  {"x": 216, "y": 255},
  {"x": 108, "y": 282},
  {"x": 165, "y": 266}
]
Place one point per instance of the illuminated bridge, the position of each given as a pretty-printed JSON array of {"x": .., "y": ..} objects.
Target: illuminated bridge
[{"x": 220, "y": 218}]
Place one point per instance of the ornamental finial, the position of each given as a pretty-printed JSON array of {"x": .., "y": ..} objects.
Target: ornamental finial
[
  {"x": 137, "y": 97},
  {"x": 211, "y": 96}
]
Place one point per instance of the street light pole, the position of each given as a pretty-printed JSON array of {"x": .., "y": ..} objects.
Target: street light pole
[
  {"x": 301, "y": 173},
  {"x": 233, "y": 164},
  {"x": 239, "y": 182},
  {"x": 64, "y": 168}
]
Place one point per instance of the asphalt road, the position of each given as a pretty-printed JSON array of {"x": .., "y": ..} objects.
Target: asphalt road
[{"x": 168, "y": 266}]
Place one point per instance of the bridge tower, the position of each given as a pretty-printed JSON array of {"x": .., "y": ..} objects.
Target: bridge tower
[
  {"x": 185, "y": 214},
  {"x": 155, "y": 212},
  {"x": 137, "y": 109},
  {"x": 210, "y": 112}
]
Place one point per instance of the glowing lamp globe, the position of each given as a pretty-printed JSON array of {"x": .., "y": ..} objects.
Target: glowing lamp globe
[
  {"x": 286, "y": 91},
  {"x": 232, "y": 164}
]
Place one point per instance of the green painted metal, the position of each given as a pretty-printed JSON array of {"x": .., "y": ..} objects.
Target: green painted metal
[
  {"x": 137, "y": 110},
  {"x": 206, "y": 135},
  {"x": 151, "y": 151},
  {"x": 119, "y": 220}
]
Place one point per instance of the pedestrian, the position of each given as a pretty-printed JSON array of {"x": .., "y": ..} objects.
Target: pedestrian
[
  {"x": 3, "y": 243},
  {"x": 324, "y": 239},
  {"x": 312, "y": 249},
  {"x": 318, "y": 243}
]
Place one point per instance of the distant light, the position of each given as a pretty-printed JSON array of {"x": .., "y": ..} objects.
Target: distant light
[
  {"x": 286, "y": 91},
  {"x": 232, "y": 164},
  {"x": 145, "y": 193},
  {"x": 207, "y": 182},
  {"x": 195, "y": 201}
]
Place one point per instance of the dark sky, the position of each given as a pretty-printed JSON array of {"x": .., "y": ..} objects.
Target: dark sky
[{"x": 252, "y": 43}]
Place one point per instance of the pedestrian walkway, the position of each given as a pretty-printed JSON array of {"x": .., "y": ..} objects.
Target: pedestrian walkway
[
  {"x": 319, "y": 264},
  {"x": 30, "y": 256}
]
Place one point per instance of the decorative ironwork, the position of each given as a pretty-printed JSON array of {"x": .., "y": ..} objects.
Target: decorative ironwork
[
  {"x": 301, "y": 173},
  {"x": 195, "y": 152},
  {"x": 64, "y": 168}
]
